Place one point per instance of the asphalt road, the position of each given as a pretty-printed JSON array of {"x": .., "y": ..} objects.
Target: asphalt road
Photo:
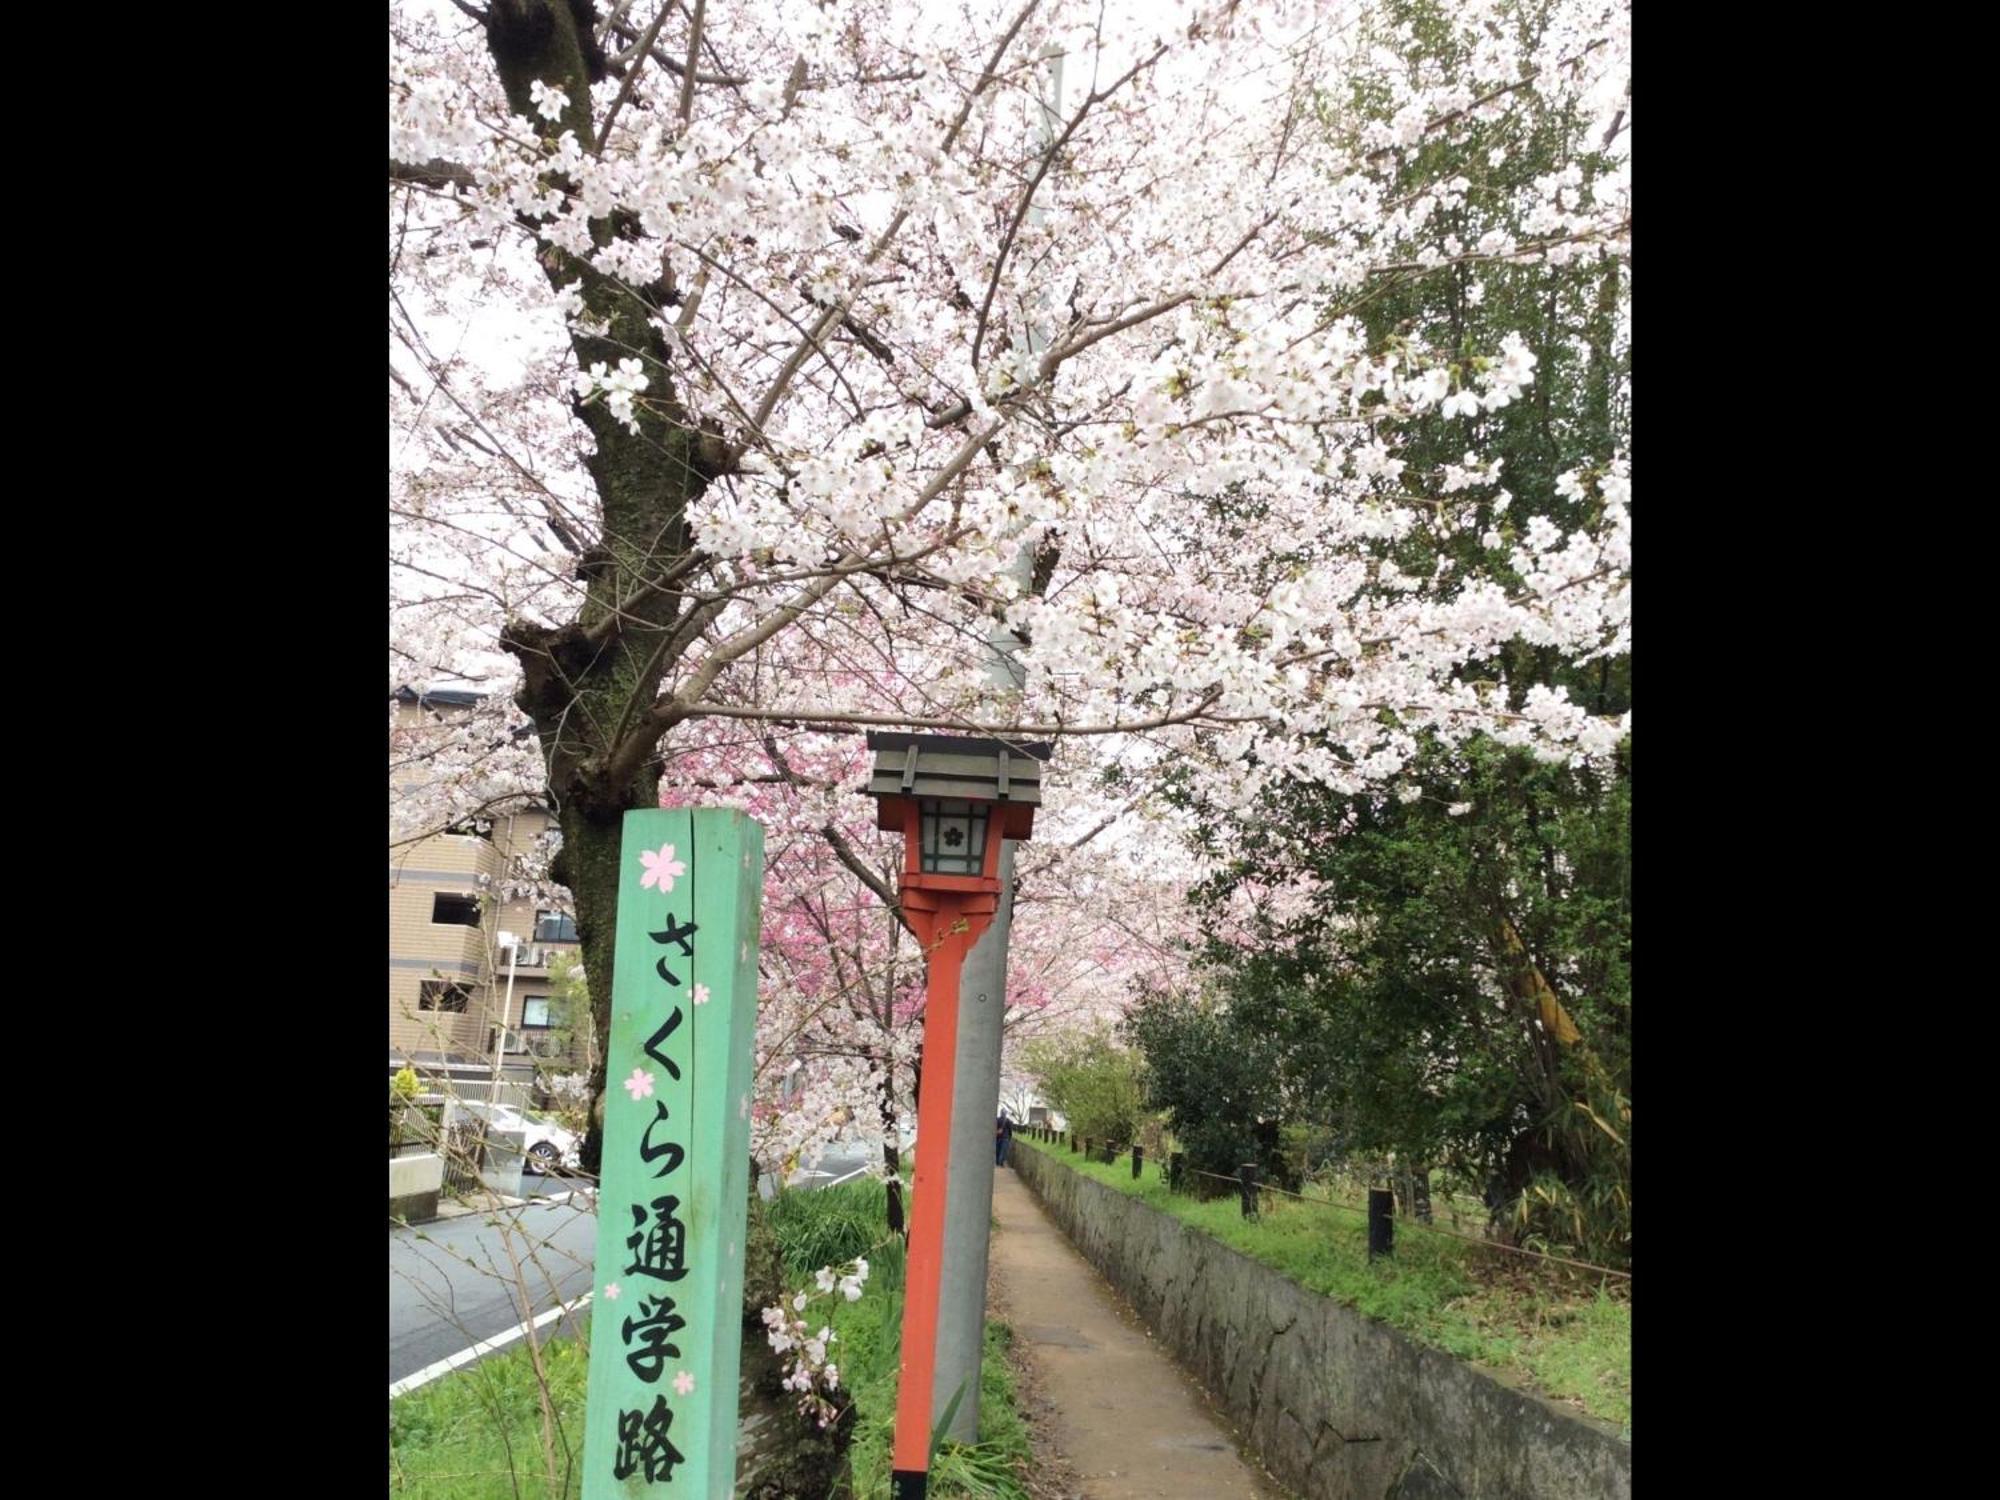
[
  {"x": 451, "y": 1284},
  {"x": 444, "y": 1295},
  {"x": 842, "y": 1162}
]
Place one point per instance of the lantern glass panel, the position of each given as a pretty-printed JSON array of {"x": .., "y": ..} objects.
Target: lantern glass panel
[{"x": 952, "y": 836}]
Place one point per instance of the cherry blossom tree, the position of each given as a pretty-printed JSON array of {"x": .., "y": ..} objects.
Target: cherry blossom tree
[{"x": 739, "y": 350}]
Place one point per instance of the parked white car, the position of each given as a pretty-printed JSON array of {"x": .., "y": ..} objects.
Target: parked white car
[{"x": 549, "y": 1147}]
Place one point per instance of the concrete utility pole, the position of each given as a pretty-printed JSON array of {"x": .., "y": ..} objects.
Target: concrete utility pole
[
  {"x": 513, "y": 946},
  {"x": 961, "y": 1326}
]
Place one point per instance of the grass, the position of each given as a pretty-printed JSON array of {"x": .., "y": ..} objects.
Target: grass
[
  {"x": 869, "y": 1332},
  {"x": 833, "y": 1226},
  {"x": 476, "y": 1434},
  {"x": 1557, "y": 1332},
  {"x": 829, "y": 1227}
]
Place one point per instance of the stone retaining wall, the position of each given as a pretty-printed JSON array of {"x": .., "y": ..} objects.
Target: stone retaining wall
[{"x": 1337, "y": 1405}]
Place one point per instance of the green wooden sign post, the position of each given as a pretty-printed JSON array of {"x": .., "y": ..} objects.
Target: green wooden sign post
[{"x": 666, "y": 1307}]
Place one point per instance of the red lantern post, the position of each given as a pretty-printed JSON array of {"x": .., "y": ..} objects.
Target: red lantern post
[{"x": 953, "y": 800}]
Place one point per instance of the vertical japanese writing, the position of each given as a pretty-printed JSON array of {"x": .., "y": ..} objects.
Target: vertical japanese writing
[{"x": 658, "y": 1243}]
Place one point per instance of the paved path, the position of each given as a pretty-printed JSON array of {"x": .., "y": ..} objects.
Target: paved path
[{"x": 1130, "y": 1422}]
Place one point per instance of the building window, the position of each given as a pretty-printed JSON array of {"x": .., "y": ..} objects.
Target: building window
[
  {"x": 554, "y": 927},
  {"x": 439, "y": 994},
  {"x": 535, "y": 1013},
  {"x": 454, "y": 910}
]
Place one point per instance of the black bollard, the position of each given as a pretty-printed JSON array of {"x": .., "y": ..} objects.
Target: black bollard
[
  {"x": 1138, "y": 1160},
  {"x": 1381, "y": 1223},
  {"x": 1176, "y": 1169},
  {"x": 1246, "y": 1177}
]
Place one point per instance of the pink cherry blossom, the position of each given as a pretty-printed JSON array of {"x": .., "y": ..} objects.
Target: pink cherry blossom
[
  {"x": 683, "y": 1384},
  {"x": 662, "y": 869},
  {"x": 701, "y": 994},
  {"x": 611, "y": 1291},
  {"x": 639, "y": 1085}
]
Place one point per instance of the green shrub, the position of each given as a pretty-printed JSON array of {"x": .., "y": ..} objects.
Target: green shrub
[
  {"x": 414, "y": 1124},
  {"x": 1219, "y": 1084},
  {"x": 1093, "y": 1081}
]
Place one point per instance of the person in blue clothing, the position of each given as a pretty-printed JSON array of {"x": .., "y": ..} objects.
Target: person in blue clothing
[{"x": 1003, "y": 1132}]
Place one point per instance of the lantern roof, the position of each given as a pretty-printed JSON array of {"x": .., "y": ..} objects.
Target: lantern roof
[{"x": 949, "y": 765}]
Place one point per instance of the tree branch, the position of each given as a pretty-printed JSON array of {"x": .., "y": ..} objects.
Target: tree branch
[
  {"x": 673, "y": 64},
  {"x": 1487, "y": 98},
  {"x": 834, "y": 313},
  {"x": 694, "y": 46},
  {"x": 617, "y": 15},
  {"x": 822, "y": 721},
  {"x": 436, "y": 173},
  {"x": 1028, "y": 194},
  {"x": 632, "y": 74},
  {"x": 671, "y": 711},
  {"x": 843, "y": 849}
]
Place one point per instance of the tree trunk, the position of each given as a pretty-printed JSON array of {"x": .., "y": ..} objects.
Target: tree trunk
[
  {"x": 588, "y": 865},
  {"x": 1602, "y": 335},
  {"x": 892, "y": 1153},
  {"x": 590, "y": 685}
]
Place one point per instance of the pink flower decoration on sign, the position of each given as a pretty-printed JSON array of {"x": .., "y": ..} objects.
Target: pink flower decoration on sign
[
  {"x": 683, "y": 1384},
  {"x": 662, "y": 869},
  {"x": 639, "y": 1085},
  {"x": 611, "y": 1291},
  {"x": 701, "y": 994}
]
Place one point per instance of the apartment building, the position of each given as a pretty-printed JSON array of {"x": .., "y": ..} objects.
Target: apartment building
[{"x": 451, "y": 1013}]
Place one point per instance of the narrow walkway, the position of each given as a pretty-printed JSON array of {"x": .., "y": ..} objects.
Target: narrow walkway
[{"x": 1130, "y": 1423}]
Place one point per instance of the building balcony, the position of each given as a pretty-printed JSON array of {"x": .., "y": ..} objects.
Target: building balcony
[
  {"x": 531, "y": 958},
  {"x": 533, "y": 1043}
]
